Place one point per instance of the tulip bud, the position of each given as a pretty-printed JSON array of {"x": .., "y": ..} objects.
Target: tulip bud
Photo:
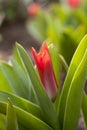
[{"x": 45, "y": 69}]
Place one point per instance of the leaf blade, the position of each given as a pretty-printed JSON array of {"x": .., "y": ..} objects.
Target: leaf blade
[
  {"x": 43, "y": 99},
  {"x": 25, "y": 119},
  {"x": 75, "y": 96},
  {"x": 72, "y": 68},
  {"x": 11, "y": 120},
  {"x": 22, "y": 103}
]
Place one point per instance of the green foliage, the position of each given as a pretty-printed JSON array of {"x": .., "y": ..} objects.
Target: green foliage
[
  {"x": 43, "y": 99},
  {"x": 2, "y": 121},
  {"x": 24, "y": 102},
  {"x": 84, "y": 106},
  {"x": 55, "y": 61},
  {"x": 76, "y": 61},
  {"x": 11, "y": 120}
]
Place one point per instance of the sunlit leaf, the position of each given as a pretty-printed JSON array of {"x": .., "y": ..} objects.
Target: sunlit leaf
[
  {"x": 72, "y": 68},
  {"x": 55, "y": 61},
  {"x": 4, "y": 85},
  {"x": 74, "y": 97}
]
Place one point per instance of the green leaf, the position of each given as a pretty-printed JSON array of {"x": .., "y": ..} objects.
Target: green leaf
[
  {"x": 25, "y": 81},
  {"x": 4, "y": 85},
  {"x": 17, "y": 58},
  {"x": 84, "y": 108},
  {"x": 72, "y": 68},
  {"x": 13, "y": 80},
  {"x": 22, "y": 103},
  {"x": 25, "y": 119},
  {"x": 2, "y": 121},
  {"x": 79, "y": 33},
  {"x": 63, "y": 62},
  {"x": 55, "y": 61},
  {"x": 74, "y": 97},
  {"x": 67, "y": 43},
  {"x": 11, "y": 119},
  {"x": 17, "y": 64},
  {"x": 44, "y": 101}
]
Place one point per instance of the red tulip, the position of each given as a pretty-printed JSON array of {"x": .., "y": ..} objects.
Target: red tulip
[
  {"x": 33, "y": 9},
  {"x": 44, "y": 65},
  {"x": 74, "y": 3}
]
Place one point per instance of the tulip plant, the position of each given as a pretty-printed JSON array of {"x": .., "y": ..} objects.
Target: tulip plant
[
  {"x": 66, "y": 20},
  {"x": 31, "y": 97}
]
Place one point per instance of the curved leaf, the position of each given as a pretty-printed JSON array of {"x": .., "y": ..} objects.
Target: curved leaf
[
  {"x": 11, "y": 120},
  {"x": 72, "y": 68},
  {"x": 74, "y": 97},
  {"x": 84, "y": 108},
  {"x": 25, "y": 80},
  {"x": 25, "y": 119},
  {"x": 55, "y": 61},
  {"x": 22, "y": 103},
  {"x": 44, "y": 101},
  {"x": 13, "y": 80},
  {"x": 4, "y": 85}
]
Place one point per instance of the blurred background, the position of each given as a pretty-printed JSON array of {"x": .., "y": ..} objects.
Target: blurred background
[
  {"x": 13, "y": 17},
  {"x": 30, "y": 22}
]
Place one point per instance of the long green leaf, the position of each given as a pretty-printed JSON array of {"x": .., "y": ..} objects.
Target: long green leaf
[
  {"x": 22, "y": 103},
  {"x": 55, "y": 61},
  {"x": 63, "y": 62},
  {"x": 73, "y": 66},
  {"x": 20, "y": 69},
  {"x": 4, "y": 85},
  {"x": 25, "y": 80},
  {"x": 17, "y": 58},
  {"x": 25, "y": 119},
  {"x": 84, "y": 108},
  {"x": 74, "y": 97},
  {"x": 13, "y": 80},
  {"x": 2, "y": 121},
  {"x": 11, "y": 120},
  {"x": 44, "y": 101}
]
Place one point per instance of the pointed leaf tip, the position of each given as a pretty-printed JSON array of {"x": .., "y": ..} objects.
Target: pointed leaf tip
[{"x": 11, "y": 120}]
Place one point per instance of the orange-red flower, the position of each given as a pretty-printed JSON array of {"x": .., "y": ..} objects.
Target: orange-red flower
[
  {"x": 33, "y": 9},
  {"x": 44, "y": 65},
  {"x": 74, "y": 3}
]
